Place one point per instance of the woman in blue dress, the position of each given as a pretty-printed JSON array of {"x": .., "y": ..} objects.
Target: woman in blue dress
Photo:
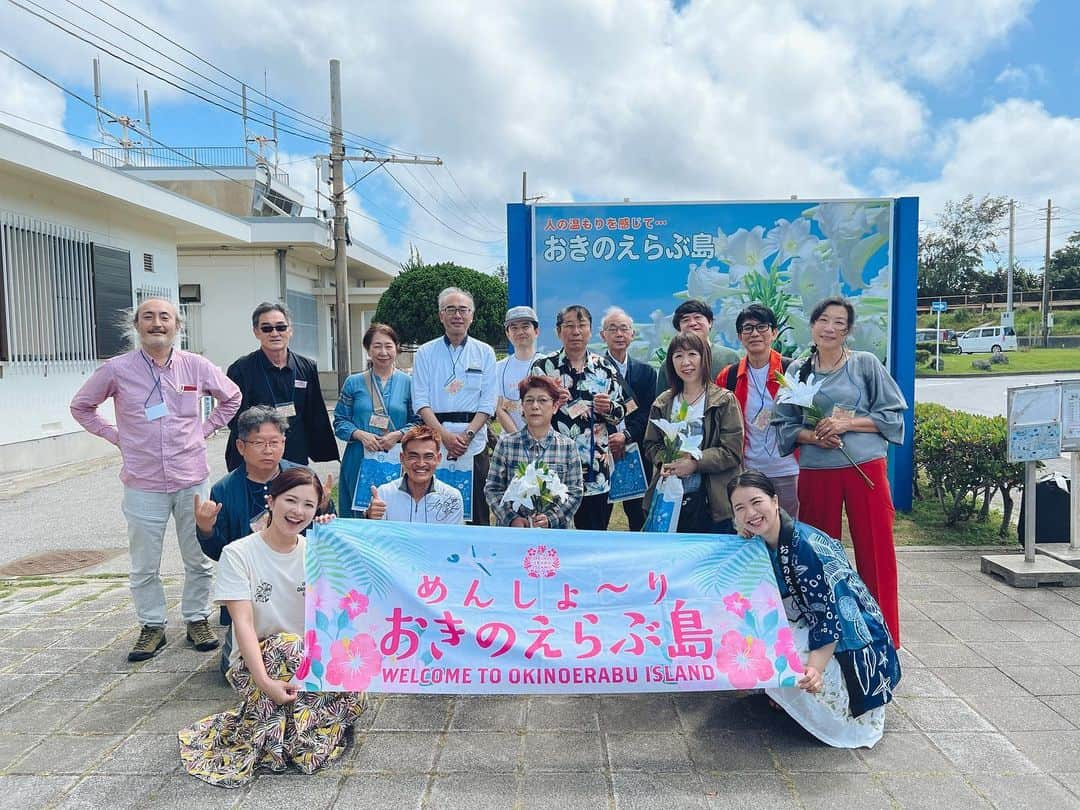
[
  {"x": 373, "y": 411},
  {"x": 850, "y": 667}
]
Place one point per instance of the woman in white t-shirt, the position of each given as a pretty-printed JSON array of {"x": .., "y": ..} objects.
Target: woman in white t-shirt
[{"x": 260, "y": 579}]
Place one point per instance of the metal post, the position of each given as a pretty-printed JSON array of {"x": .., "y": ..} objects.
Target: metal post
[
  {"x": 937, "y": 341},
  {"x": 1074, "y": 501},
  {"x": 1012, "y": 257},
  {"x": 341, "y": 259},
  {"x": 1046, "y": 282},
  {"x": 1029, "y": 511}
]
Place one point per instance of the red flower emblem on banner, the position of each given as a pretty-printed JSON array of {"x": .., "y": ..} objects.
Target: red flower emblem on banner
[{"x": 541, "y": 561}]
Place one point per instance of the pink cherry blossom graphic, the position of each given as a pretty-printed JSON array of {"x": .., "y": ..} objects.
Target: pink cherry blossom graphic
[
  {"x": 737, "y": 604},
  {"x": 764, "y": 599},
  {"x": 785, "y": 646},
  {"x": 353, "y": 662},
  {"x": 743, "y": 660},
  {"x": 541, "y": 561},
  {"x": 354, "y": 603},
  {"x": 317, "y": 596}
]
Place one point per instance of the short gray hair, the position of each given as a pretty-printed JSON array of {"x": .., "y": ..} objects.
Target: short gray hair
[
  {"x": 456, "y": 291},
  {"x": 613, "y": 312},
  {"x": 258, "y": 415}
]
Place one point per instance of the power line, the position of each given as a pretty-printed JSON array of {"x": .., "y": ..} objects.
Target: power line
[
  {"x": 482, "y": 222},
  {"x": 225, "y": 73},
  {"x": 435, "y": 217},
  {"x": 419, "y": 237},
  {"x": 456, "y": 211},
  {"x": 46, "y": 126},
  {"x": 470, "y": 199}
]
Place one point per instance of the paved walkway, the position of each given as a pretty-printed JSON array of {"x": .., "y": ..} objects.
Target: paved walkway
[{"x": 988, "y": 714}]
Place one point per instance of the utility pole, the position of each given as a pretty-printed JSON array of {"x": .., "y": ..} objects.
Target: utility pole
[
  {"x": 1046, "y": 281},
  {"x": 337, "y": 158},
  {"x": 341, "y": 258},
  {"x": 1012, "y": 259},
  {"x": 524, "y": 188}
]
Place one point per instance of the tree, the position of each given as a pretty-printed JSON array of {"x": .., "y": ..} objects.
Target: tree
[
  {"x": 410, "y": 302},
  {"x": 951, "y": 257},
  {"x": 1065, "y": 265}
]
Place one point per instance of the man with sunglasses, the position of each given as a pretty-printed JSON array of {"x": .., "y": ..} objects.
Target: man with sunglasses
[
  {"x": 288, "y": 382},
  {"x": 753, "y": 381},
  {"x": 455, "y": 391}
]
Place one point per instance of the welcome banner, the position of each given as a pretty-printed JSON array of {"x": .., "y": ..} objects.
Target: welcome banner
[{"x": 399, "y": 607}]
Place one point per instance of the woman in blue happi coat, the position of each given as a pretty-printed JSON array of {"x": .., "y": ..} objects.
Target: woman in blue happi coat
[
  {"x": 850, "y": 667},
  {"x": 373, "y": 411}
]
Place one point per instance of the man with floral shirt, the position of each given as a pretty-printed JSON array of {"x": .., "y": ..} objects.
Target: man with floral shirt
[{"x": 590, "y": 407}]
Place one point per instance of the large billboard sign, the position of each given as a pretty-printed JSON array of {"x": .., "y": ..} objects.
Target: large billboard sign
[{"x": 649, "y": 257}]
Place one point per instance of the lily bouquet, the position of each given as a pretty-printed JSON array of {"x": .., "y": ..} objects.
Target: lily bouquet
[
  {"x": 801, "y": 394},
  {"x": 534, "y": 487},
  {"x": 666, "y": 504},
  {"x": 677, "y": 438}
]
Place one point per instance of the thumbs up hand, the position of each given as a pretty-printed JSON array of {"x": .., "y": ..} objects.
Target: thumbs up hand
[{"x": 377, "y": 508}]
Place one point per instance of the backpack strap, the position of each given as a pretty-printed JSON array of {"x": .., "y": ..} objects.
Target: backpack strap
[{"x": 730, "y": 373}]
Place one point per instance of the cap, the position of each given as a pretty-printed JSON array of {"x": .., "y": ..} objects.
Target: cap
[{"x": 521, "y": 314}]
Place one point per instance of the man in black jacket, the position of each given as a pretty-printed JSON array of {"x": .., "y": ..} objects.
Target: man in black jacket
[
  {"x": 287, "y": 382},
  {"x": 639, "y": 382}
]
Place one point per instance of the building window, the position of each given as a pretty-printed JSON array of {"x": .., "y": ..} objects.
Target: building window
[
  {"x": 46, "y": 292},
  {"x": 305, "y": 323},
  {"x": 112, "y": 300}
]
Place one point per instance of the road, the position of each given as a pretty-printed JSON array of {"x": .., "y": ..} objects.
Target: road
[{"x": 986, "y": 396}]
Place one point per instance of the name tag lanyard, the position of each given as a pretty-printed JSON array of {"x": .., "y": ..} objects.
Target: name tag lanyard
[
  {"x": 454, "y": 358},
  {"x": 158, "y": 409},
  {"x": 378, "y": 400},
  {"x": 273, "y": 394},
  {"x": 771, "y": 448}
]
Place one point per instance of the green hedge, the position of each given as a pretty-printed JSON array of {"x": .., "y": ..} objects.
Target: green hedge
[
  {"x": 922, "y": 357},
  {"x": 963, "y": 458}
]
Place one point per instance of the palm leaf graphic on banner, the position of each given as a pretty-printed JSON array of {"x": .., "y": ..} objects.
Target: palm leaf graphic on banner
[
  {"x": 722, "y": 570},
  {"x": 363, "y": 562}
]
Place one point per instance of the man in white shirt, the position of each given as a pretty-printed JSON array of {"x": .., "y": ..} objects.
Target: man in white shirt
[
  {"x": 454, "y": 391},
  {"x": 522, "y": 329},
  {"x": 418, "y": 496}
]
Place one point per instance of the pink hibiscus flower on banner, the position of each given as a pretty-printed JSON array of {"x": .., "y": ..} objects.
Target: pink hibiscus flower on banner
[
  {"x": 737, "y": 604},
  {"x": 541, "y": 561},
  {"x": 354, "y": 603},
  {"x": 304, "y": 668},
  {"x": 311, "y": 645},
  {"x": 353, "y": 662},
  {"x": 743, "y": 659},
  {"x": 785, "y": 646}
]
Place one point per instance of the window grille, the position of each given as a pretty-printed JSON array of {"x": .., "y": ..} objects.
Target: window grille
[{"x": 46, "y": 292}]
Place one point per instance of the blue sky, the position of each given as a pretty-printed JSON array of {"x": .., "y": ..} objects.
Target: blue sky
[{"x": 599, "y": 101}]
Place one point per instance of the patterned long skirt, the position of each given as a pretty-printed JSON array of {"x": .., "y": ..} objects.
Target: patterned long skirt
[{"x": 227, "y": 749}]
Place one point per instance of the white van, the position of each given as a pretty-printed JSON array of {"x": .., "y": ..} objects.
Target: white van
[{"x": 987, "y": 338}]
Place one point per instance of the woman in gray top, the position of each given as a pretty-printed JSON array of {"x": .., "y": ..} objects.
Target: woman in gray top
[{"x": 863, "y": 411}]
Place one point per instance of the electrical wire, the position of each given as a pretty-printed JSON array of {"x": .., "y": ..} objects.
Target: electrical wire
[
  {"x": 46, "y": 126},
  {"x": 419, "y": 237},
  {"x": 470, "y": 200},
  {"x": 435, "y": 217},
  {"x": 321, "y": 122}
]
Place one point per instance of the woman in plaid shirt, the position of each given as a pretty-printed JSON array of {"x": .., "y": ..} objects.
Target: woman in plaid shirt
[{"x": 537, "y": 441}]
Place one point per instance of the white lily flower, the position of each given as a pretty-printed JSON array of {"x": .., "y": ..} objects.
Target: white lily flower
[
  {"x": 794, "y": 392},
  {"x": 670, "y": 429},
  {"x": 691, "y": 445}
]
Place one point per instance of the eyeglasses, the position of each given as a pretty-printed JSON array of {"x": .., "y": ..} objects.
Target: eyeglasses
[
  {"x": 750, "y": 328},
  {"x": 618, "y": 328},
  {"x": 537, "y": 401},
  {"x": 456, "y": 310},
  {"x": 267, "y": 328},
  {"x": 262, "y": 444}
]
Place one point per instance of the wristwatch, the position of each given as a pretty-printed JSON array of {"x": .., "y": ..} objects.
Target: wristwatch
[{"x": 470, "y": 434}]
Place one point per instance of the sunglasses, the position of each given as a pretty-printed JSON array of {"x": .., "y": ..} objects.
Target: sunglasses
[{"x": 267, "y": 328}]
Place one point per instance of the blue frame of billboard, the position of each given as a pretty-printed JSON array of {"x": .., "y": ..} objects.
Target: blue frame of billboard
[{"x": 905, "y": 253}]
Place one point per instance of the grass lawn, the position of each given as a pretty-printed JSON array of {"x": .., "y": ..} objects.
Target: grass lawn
[{"x": 1046, "y": 360}]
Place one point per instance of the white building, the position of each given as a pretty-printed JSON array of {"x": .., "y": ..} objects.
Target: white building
[{"x": 80, "y": 241}]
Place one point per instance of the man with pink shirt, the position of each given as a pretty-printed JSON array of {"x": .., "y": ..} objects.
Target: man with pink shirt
[{"x": 156, "y": 391}]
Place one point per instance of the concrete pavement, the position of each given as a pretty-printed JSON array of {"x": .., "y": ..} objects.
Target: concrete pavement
[{"x": 988, "y": 713}]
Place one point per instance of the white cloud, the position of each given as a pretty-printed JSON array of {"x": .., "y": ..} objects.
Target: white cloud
[
  {"x": 31, "y": 105},
  {"x": 929, "y": 39},
  {"x": 1021, "y": 80},
  {"x": 1016, "y": 149}
]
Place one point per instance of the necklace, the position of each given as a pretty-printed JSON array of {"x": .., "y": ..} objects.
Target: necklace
[
  {"x": 834, "y": 366},
  {"x": 694, "y": 401}
]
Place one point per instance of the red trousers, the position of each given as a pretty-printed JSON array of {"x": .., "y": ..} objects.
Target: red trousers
[{"x": 822, "y": 496}]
